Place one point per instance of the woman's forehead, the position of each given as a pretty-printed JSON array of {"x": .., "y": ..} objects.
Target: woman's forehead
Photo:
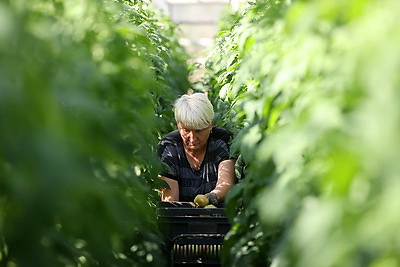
[{"x": 183, "y": 126}]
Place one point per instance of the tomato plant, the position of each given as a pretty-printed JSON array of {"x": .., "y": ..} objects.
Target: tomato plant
[
  {"x": 306, "y": 82},
  {"x": 81, "y": 91}
]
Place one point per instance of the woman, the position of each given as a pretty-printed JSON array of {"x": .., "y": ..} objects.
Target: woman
[{"x": 197, "y": 154}]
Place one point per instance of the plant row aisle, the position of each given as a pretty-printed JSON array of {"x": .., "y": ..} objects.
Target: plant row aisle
[
  {"x": 312, "y": 90},
  {"x": 85, "y": 91}
]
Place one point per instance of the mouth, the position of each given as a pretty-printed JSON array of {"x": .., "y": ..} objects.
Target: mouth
[{"x": 192, "y": 144}]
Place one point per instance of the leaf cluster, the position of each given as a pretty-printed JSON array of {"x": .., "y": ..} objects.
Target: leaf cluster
[
  {"x": 306, "y": 82},
  {"x": 80, "y": 104}
]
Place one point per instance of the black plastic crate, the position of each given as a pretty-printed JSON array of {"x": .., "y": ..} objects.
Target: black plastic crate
[
  {"x": 193, "y": 235},
  {"x": 194, "y": 249}
]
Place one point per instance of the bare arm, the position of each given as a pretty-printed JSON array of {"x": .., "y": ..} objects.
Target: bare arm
[
  {"x": 226, "y": 178},
  {"x": 169, "y": 194}
]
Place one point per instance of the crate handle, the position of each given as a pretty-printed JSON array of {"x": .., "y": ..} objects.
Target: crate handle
[{"x": 213, "y": 236}]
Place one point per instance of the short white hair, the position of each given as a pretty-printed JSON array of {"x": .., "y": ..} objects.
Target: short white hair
[{"x": 194, "y": 111}]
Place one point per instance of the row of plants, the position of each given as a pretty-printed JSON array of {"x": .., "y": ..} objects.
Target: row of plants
[
  {"x": 311, "y": 90},
  {"x": 85, "y": 92}
]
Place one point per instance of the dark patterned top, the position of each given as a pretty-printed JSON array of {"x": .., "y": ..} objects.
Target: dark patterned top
[{"x": 192, "y": 182}]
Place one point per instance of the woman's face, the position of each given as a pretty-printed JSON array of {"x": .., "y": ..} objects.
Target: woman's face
[{"x": 194, "y": 139}]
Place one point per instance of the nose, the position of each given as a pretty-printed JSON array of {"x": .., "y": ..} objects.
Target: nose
[{"x": 191, "y": 136}]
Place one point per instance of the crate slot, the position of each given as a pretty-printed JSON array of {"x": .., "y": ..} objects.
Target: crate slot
[{"x": 192, "y": 235}]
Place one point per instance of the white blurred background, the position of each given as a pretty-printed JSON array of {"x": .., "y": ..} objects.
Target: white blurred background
[
  {"x": 198, "y": 23},
  {"x": 197, "y": 20}
]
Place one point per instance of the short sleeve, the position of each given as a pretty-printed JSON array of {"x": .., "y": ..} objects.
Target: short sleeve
[
  {"x": 168, "y": 158},
  {"x": 222, "y": 139},
  {"x": 221, "y": 150}
]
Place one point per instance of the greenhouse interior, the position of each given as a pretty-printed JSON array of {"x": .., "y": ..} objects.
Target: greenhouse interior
[{"x": 200, "y": 132}]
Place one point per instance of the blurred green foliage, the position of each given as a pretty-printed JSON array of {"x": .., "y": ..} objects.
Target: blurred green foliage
[
  {"x": 168, "y": 59},
  {"x": 85, "y": 89},
  {"x": 311, "y": 88}
]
